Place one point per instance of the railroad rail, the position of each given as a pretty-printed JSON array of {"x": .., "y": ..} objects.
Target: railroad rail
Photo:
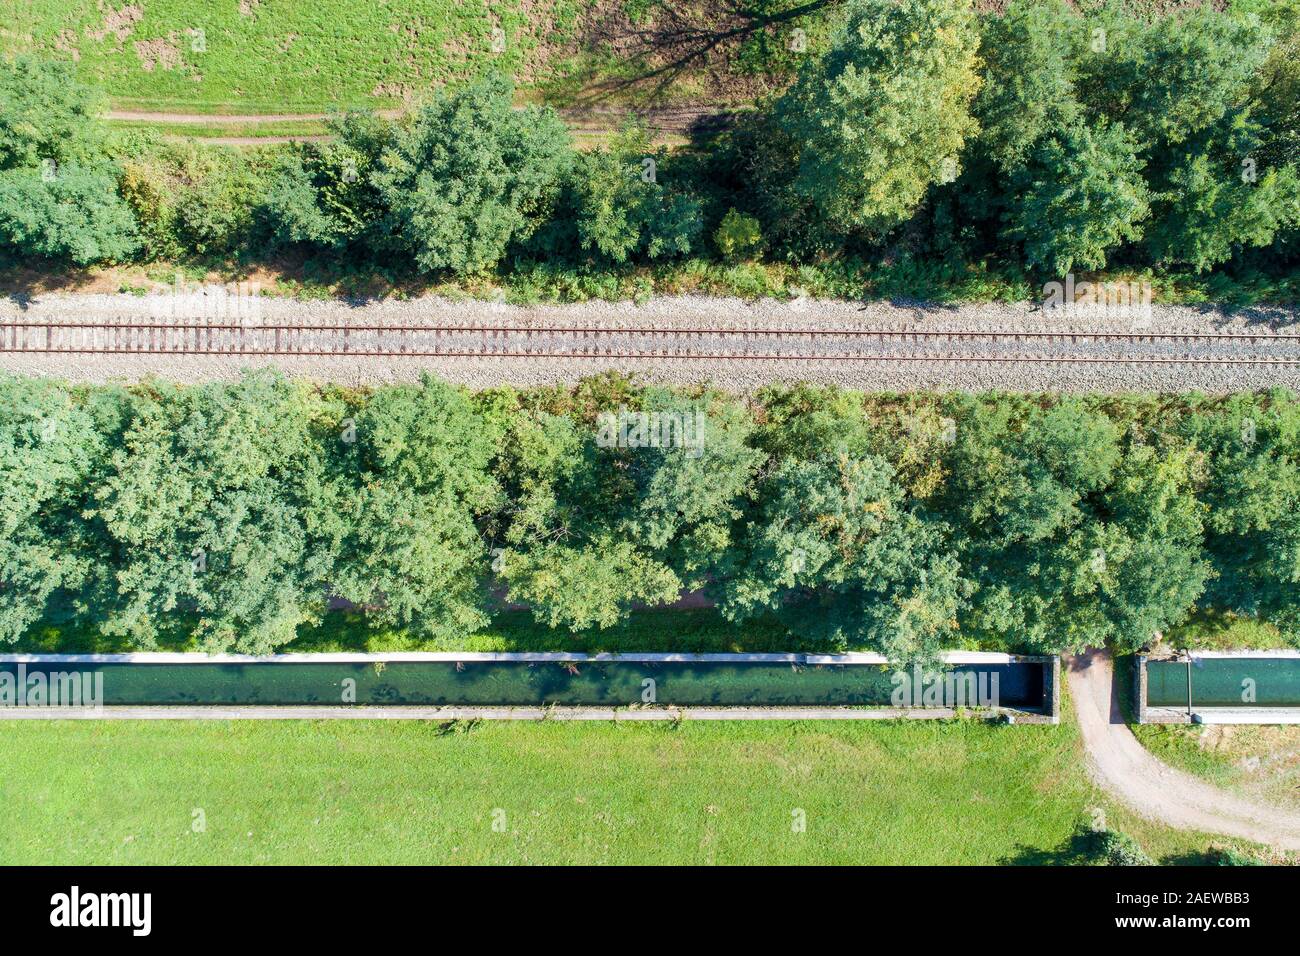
[{"x": 257, "y": 338}]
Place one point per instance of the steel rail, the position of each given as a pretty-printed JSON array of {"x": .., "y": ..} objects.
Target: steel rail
[
  {"x": 916, "y": 334},
  {"x": 116, "y": 337},
  {"x": 678, "y": 355}
]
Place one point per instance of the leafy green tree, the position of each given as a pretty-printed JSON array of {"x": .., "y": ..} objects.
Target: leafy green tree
[
  {"x": 1018, "y": 476},
  {"x": 291, "y": 208},
  {"x": 1276, "y": 89},
  {"x": 1148, "y": 556},
  {"x": 1027, "y": 93},
  {"x": 415, "y": 480},
  {"x": 627, "y": 508},
  {"x": 470, "y": 176},
  {"x": 834, "y": 551},
  {"x": 1209, "y": 205},
  {"x": 69, "y": 213},
  {"x": 210, "y": 512},
  {"x": 688, "y": 495},
  {"x": 1251, "y": 446},
  {"x": 54, "y": 449},
  {"x": 885, "y": 112},
  {"x": 58, "y": 189},
  {"x": 589, "y": 584},
  {"x": 562, "y": 552},
  {"x": 622, "y": 210},
  {"x": 1173, "y": 76},
  {"x": 833, "y": 545},
  {"x": 322, "y": 194},
  {"x": 804, "y": 421},
  {"x": 45, "y": 114},
  {"x": 1081, "y": 196}
]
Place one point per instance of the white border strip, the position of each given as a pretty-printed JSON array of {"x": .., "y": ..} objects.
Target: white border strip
[
  {"x": 1245, "y": 715},
  {"x": 948, "y": 657},
  {"x": 198, "y": 657},
  {"x": 1283, "y": 654},
  {"x": 559, "y": 713}
]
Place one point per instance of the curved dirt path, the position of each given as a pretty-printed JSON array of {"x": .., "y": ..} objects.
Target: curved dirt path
[{"x": 1124, "y": 767}]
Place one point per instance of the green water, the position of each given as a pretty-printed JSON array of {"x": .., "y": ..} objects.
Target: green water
[
  {"x": 1222, "y": 682},
  {"x": 522, "y": 683}
]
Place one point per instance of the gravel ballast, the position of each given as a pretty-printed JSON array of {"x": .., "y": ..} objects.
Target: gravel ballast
[{"x": 683, "y": 357}]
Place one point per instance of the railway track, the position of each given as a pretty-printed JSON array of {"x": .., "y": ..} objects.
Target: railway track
[{"x": 256, "y": 338}]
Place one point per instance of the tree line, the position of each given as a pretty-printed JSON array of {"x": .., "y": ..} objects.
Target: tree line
[
  {"x": 1037, "y": 141},
  {"x": 900, "y": 524}
]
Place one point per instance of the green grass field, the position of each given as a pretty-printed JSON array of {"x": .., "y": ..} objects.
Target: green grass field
[
  {"x": 374, "y": 792},
  {"x": 304, "y": 56},
  {"x": 281, "y": 55}
]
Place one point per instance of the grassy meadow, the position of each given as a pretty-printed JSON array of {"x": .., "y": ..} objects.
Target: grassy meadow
[
  {"x": 340, "y": 792},
  {"x": 281, "y": 56}
]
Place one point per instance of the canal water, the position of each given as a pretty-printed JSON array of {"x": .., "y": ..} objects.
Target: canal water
[
  {"x": 503, "y": 683},
  {"x": 1225, "y": 682}
]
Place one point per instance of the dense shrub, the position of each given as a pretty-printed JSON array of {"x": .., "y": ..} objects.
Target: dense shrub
[
  {"x": 470, "y": 176},
  {"x": 323, "y": 195},
  {"x": 191, "y": 200},
  {"x": 1227, "y": 856},
  {"x": 214, "y": 209},
  {"x": 46, "y": 114},
  {"x": 738, "y": 237},
  {"x": 70, "y": 213},
  {"x": 624, "y": 206},
  {"x": 1113, "y": 848},
  {"x": 58, "y": 189}
]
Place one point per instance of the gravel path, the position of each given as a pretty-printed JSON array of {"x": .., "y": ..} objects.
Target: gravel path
[
  {"x": 657, "y": 326},
  {"x": 1128, "y": 770}
]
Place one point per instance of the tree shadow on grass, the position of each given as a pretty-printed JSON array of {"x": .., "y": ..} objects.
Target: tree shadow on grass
[
  {"x": 1079, "y": 849},
  {"x": 676, "y": 39}
]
